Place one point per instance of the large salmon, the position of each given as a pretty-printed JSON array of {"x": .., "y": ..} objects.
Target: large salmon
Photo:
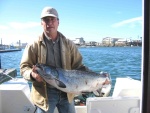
[{"x": 72, "y": 81}]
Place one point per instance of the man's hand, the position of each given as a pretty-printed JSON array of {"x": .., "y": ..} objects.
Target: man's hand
[{"x": 35, "y": 75}]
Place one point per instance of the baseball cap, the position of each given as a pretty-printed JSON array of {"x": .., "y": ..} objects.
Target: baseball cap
[{"x": 49, "y": 11}]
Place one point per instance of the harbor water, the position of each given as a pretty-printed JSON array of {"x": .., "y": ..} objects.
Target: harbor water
[{"x": 118, "y": 61}]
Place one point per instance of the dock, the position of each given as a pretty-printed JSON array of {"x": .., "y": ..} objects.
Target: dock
[{"x": 9, "y": 50}]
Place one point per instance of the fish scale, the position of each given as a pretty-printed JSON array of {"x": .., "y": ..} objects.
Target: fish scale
[{"x": 71, "y": 81}]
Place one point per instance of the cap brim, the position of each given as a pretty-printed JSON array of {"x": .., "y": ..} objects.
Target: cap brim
[{"x": 46, "y": 15}]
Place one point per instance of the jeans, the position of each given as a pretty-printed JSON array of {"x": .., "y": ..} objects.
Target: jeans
[{"x": 57, "y": 98}]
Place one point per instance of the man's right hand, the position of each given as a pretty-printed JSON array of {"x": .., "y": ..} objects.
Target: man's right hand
[{"x": 35, "y": 75}]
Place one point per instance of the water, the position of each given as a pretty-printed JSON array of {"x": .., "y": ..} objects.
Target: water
[{"x": 118, "y": 61}]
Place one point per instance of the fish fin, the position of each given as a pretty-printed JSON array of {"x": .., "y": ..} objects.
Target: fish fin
[
  {"x": 97, "y": 92},
  {"x": 70, "y": 97},
  {"x": 60, "y": 84}
]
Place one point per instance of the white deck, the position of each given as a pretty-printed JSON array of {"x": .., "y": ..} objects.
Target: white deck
[{"x": 14, "y": 96}]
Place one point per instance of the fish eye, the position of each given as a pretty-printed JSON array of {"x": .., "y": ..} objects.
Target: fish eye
[{"x": 48, "y": 71}]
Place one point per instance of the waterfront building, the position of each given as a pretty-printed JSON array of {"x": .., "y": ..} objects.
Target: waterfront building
[
  {"x": 23, "y": 45},
  {"x": 91, "y": 43},
  {"x": 79, "y": 41},
  {"x": 108, "y": 41},
  {"x": 123, "y": 42}
]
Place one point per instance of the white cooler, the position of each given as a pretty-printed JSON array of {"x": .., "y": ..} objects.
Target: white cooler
[
  {"x": 125, "y": 98},
  {"x": 15, "y": 97},
  {"x": 113, "y": 105}
]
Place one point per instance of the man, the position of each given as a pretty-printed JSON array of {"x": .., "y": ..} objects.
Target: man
[{"x": 51, "y": 48}]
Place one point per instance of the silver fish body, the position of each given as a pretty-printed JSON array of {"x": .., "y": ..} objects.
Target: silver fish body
[{"x": 71, "y": 81}]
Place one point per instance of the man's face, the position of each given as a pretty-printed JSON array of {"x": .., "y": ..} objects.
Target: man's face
[{"x": 50, "y": 24}]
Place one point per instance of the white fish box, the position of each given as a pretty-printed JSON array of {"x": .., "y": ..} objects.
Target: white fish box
[
  {"x": 14, "y": 97},
  {"x": 113, "y": 105}
]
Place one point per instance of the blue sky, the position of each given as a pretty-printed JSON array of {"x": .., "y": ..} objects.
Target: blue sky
[{"x": 90, "y": 19}]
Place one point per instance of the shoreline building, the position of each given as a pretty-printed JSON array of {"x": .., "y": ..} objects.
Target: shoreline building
[
  {"x": 79, "y": 41},
  {"x": 110, "y": 42}
]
